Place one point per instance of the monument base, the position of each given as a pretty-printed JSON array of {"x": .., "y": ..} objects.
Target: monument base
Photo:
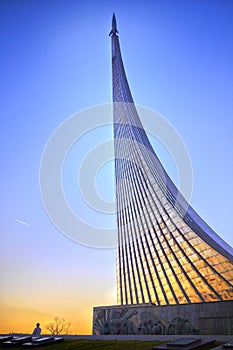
[{"x": 149, "y": 319}]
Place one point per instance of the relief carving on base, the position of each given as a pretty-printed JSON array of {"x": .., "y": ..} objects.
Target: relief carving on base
[
  {"x": 114, "y": 322},
  {"x": 124, "y": 322}
]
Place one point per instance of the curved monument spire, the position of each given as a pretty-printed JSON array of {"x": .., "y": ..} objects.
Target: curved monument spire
[{"x": 166, "y": 253}]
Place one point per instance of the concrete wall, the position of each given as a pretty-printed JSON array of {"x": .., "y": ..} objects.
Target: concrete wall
[{"x": 198, "y": 318}]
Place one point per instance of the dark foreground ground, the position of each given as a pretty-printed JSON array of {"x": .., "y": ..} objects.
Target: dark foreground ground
[{"x": 83, "y": 344}]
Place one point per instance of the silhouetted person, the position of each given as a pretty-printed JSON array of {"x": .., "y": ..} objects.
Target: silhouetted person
[{"x": 37, "y": 331}]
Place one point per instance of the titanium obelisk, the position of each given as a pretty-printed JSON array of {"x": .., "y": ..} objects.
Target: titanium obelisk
[{"x": 166, "y": 253}]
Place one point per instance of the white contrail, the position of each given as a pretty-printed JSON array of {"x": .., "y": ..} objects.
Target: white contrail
[{"x": 22, "y": 222}]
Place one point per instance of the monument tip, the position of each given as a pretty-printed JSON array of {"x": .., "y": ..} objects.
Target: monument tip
[{"x": 114, "y": 25}]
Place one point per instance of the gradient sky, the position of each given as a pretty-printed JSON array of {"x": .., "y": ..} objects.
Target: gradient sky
[{"x": 55, "y": 61}]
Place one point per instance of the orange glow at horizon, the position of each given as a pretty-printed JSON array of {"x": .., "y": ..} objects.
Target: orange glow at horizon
[
  {"x": 16, "y": 318},
  {"x": 20, "y": 320}
]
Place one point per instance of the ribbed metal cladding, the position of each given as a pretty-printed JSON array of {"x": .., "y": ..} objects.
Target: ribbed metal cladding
[{"x": 166, "y": 254}]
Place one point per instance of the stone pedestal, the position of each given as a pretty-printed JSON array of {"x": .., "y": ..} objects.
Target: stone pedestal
[{"x": 199, "y": 318}]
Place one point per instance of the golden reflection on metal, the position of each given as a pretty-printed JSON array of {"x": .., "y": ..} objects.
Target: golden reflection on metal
[{"x": 181, "y": 261}]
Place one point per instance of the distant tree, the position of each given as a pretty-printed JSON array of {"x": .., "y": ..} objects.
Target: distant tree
[{"x": 58, "y": 326}]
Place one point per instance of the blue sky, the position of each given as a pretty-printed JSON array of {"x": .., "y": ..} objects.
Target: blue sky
[{"x": 56, "y": 61}]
